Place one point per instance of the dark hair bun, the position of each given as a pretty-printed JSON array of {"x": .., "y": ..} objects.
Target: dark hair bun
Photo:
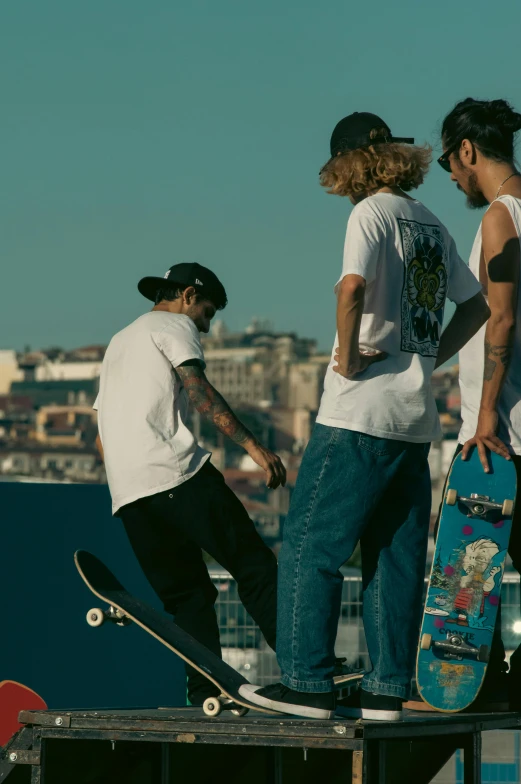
[{"x": 502, "y": 113}]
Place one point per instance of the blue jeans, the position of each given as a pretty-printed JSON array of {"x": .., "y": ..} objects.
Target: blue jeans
[{"x": 354, "y": 488}]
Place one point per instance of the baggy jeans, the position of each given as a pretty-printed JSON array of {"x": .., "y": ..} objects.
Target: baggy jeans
[{"x": 352, "y": 488}]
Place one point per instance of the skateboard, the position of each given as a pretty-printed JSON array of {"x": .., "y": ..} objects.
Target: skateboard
[
  {"x": 14, "y": 697},
  {"x": 125, "y": 608},
  {"x": 465, "y": 582}
]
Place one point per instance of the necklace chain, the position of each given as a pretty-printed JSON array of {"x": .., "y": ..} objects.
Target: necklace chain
[{"x": 505, "y": 180}]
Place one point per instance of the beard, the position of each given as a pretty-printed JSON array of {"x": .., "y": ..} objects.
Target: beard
[{"x": 475, "y": 198}]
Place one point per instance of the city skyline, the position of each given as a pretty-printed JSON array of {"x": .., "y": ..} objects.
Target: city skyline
[{"x": 320, "y": 350}]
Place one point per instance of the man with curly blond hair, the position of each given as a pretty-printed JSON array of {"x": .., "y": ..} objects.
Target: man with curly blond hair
[{"x": 365, "y": 476}]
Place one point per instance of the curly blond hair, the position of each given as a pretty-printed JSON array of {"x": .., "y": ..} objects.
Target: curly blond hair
[{"x": 362, "y": 171}]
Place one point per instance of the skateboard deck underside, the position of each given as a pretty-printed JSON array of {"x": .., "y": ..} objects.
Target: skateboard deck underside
[
  {"x": 465, "y": 585},
  {"x": 106, "y": 587}
]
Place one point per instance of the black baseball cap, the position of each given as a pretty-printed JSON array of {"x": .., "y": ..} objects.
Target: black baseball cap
[
  {"x": 188, "y": 274},
  {"x": 354, "y": 132}
]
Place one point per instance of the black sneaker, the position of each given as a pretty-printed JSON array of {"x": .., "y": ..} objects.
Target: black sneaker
[
  {"x": 278, "y": 697},
  {"x": 513, "y": 680},
  {"x": 494, "y": 695},
  {"x": 365, "y": 705}
]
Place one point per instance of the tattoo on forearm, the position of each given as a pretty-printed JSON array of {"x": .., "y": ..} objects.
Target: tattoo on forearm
[
  {"x": 489, "y": 368},
  {"x": 210, "y": 404},
  {"x": 493, "y": 355}
]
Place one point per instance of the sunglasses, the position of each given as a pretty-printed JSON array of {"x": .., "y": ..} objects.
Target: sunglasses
[{"x": 443, "y": 160}]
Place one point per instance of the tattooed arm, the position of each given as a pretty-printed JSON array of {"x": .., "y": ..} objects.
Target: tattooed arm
[
  {"x": 213, "y": 407},
  {"x": 502, "y": 258}
]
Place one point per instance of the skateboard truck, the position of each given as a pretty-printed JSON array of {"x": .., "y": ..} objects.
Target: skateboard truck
[
  {"x": 479, "y": 505},
  {"x": 455, "y": 647},
  {"x": 97, "y": 617},
  {"x": 213, "y": 706}
]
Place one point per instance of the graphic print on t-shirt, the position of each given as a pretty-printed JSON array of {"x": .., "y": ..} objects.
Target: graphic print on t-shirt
[{"x": 424, "y": 287}]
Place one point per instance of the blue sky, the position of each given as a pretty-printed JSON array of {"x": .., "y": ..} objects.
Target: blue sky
[{"x": 136, "y": 135}]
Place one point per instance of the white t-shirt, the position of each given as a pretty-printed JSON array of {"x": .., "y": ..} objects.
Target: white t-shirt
[
  {"x": 472, "y": 360},
  {"x": 410, "y": 264},
  {"x": 142, "y": 407}
]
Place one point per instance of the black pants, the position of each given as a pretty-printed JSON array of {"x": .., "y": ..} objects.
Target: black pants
[
  {"x": 497, "y": 662},
  {"x": 169, "y": 530}
]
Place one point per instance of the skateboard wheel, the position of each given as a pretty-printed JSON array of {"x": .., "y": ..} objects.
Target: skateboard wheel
[
  {"x": 240, "y": 711},
  {"x": 508, "y": 507},
  {"x": 95, "y": 617},
  {"x": 451, "y": 497},
  {"x": 212, "y": 706},
  {"x": 483, "y": 653},
  {"x": 425, "y": 642}
]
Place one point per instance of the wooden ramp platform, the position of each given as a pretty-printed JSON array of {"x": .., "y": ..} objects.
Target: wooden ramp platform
[{"x": 162, "y": 746}]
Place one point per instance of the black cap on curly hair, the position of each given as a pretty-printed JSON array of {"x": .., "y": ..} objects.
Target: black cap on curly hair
[{"x": 490, "y": 125}]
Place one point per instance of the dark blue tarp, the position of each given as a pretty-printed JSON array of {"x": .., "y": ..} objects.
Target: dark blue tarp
[{"x": 45, "y": 641}]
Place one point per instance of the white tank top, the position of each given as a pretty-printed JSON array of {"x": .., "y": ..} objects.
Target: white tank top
[{"x": 472, "y": 360}]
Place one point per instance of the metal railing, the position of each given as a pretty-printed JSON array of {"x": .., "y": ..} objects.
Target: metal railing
[{"x": 245, "y": 649}]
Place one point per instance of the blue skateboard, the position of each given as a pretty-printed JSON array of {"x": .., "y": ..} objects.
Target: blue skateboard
[{"x": 465, "y": 582}]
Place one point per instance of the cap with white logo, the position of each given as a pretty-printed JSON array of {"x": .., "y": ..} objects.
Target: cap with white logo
[{"x": 187, "y": 274}]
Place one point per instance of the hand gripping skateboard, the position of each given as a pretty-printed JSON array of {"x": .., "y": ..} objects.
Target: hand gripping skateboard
[
  {"x": 465, "y": 582},
  {"x": 125, "y": 608}
]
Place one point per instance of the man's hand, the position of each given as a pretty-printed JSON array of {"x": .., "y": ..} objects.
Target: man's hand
[
  {"x": 486, "y": 438},
  {"x": 364, "y": 360},
  {"x": 269, "y": 462}
]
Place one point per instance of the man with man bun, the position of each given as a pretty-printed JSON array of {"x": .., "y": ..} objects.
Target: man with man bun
[{"x": 478, "y": 143}]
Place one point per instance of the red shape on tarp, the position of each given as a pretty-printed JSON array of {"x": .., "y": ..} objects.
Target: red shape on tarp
[{"x": 15, "y": 697}]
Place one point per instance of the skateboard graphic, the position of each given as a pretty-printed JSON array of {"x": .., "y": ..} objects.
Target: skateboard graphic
[
  {"x": 465, "y": 582},
  {"x": 125, "y": 608},
  {"x": 15, "y": 697}
]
